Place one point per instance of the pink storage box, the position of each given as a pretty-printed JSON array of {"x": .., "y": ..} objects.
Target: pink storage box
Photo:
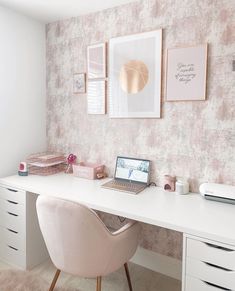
[{"x": 87, "y": 170}]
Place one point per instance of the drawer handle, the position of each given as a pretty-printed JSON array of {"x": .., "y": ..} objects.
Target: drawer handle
[
  {"x": 11, "y": 230},
  {"x": 15, "y": 249},
  {"x": 218, "y": 267},
  {"x": 216, "y": 286},
  {"x": 12, "y": 190},
  {"x": 219, "y": 247},
  {"x": 12, "y": 202},
  {"x": 13, "y": 214}
]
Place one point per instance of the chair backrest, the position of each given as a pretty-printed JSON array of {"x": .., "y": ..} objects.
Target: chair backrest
[{"x": 77, "y": 240}]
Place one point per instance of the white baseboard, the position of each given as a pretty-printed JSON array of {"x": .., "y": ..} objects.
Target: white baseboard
[{"x": 159, "y": 263}]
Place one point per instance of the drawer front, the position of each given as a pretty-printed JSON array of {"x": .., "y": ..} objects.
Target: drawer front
[
  {"x": 13, "y": 221},
  {"x": 193, "y": 284},
  {"x": 12, "y": 256},
  {"x": 13, "y": 239},
  {"x": 211, "y": 253},
  {"x": 12, "y": 207},
  {"x": 210, "y": 273},
  {"x": 13, "y": 195}
]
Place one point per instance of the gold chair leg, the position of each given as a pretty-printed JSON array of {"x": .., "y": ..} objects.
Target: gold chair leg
[
  {"x": 98, "y": 283},
  {"x": 128, "y": 277},
  {"x": 54, "y": 280}
]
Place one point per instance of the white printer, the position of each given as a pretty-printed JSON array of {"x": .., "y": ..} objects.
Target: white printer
[{"x": 218, "y": 192}]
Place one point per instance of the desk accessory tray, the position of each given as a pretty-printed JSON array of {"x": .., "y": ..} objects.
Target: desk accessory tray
[
  {"x": 87, "y": 170},
  {"x": 46, "y": 163},
  {"x": 46, "y": 171}
]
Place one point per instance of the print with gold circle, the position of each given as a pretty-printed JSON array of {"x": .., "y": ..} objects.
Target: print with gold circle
[{"x": 133, "y": 76}]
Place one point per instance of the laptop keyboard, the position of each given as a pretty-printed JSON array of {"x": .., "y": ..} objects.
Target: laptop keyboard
[{"x": 124, "y": 186}]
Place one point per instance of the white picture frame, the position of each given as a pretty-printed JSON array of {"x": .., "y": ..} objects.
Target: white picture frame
[
  {"x": 96, "y": 97},
  {"x": 96, "y": 61},
  {"x": 146, "y": 50},
  {"x": 186, "y": 73}
]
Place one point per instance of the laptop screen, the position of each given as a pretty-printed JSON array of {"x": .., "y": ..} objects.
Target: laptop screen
[{"x": 131, "y": 169}]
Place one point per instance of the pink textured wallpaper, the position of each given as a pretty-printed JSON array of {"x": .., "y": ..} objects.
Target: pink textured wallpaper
[{"x": 193, "y": 139}]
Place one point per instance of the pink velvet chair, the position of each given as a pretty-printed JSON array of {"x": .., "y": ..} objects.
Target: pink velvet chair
[{"x": 79, "y": 243}]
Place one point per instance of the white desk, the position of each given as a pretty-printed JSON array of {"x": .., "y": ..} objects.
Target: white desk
[
  {"x": 185, "y": 213},
  {"x": 189, "y": 214}
]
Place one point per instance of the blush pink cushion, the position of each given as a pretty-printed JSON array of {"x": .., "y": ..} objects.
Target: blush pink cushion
[{"x": 78, "y": 241}]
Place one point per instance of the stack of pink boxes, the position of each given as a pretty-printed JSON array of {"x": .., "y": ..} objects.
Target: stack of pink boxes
[{"x": 47, "y": 163}]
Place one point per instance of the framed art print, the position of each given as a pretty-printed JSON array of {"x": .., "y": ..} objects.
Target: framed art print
[
  {"x": 79, "y": 83},
  {"x": 96, "y": 97},
  {"x": 135, "y": 75},
  {"x": 96, "y": 61},
  {"x": 186, "y": 73}
]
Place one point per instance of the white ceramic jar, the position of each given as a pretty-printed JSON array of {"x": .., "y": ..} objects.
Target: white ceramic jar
[{"x": 182, "y": 186}]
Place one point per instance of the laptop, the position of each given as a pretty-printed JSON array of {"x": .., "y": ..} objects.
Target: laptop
[{"x": 131, "y": 175}]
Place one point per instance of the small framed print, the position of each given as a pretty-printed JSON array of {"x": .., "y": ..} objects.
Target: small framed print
[
  {"x": 186, "y": 73},
  {"x": 96, "y": 61},
  {"x": 79, "y": 83},
  {"x": 96, "y": 97}
]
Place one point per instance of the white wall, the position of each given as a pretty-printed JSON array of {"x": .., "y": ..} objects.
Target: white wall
[{"x": 22, "y": 89}]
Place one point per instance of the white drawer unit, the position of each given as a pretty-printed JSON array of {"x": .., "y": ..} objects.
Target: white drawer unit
[
  {"x": 21, "y": 242},
  {"x": 211, "y": 252},
  {"x": 12, "y": 194},
  {"x": 208, "y": 265},
  {"x": 12, "y": 239},
  {"x": 12, "y": 256},
  {"x": 194, "y": 284},
  {"x": 7, "y": 205},
  {"x": 11, "y": 219}
]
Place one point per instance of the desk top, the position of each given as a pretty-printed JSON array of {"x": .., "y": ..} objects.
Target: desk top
[{"x": 190, "y": 214}]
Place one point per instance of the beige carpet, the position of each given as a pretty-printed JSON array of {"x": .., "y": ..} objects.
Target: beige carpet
[
  {"x": 39, "y": 278},
  {"x": 15, "y": 280}
]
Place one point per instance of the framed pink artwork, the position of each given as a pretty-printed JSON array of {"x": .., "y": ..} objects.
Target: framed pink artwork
[
  {"x": 186, "y": 73},
  {"x": 135, "y": 75},
  {"x": 96, "y": 61}
]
